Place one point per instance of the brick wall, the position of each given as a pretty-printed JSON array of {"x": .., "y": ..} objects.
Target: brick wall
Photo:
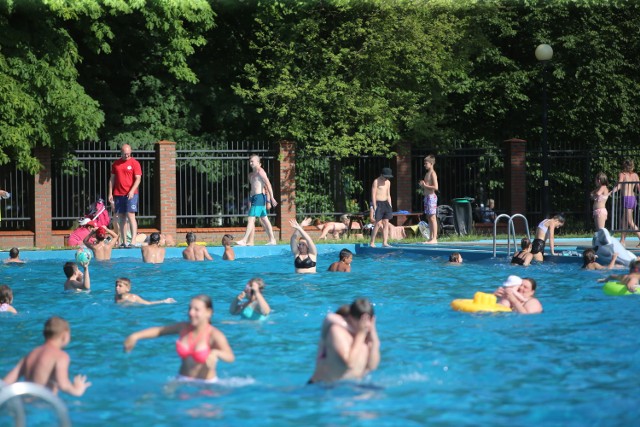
[
  {"x": 42, "y": 195},
  {"x": 403, "y": 180},
  {"x": 515, "y": 169},
  {"x": 165, "y": 189}
]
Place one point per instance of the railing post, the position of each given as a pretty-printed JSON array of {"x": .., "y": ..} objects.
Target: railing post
[
  {"x": 285, "y": 188},
  {"x": 42, "y": 209},
  {"x": 515, "y": 172},
  {"x": 165, "y": 188},
  {"x": 404, "y": 185}
]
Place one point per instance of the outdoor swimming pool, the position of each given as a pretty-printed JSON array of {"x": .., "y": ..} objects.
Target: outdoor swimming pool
[{"x": 576, "y": 364}]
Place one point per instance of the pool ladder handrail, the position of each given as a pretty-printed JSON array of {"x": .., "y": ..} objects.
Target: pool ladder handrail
[
  {"x": 9, "y": 392},
  {"x": 511, "y": 231}
]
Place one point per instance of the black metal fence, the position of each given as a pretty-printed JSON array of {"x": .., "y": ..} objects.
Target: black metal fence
[
  {"x": 74, "y": 190},
  {"x": 16, "y": 211},
  {"x": 213, "y": 184}
]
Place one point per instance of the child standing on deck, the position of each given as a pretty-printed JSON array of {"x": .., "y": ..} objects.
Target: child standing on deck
[
  {"x": 429, "y": 186},
  {"x": 599, "y": 197},
  {"x": 381, "y": 211},
  {"x": 628, "y": 182}
]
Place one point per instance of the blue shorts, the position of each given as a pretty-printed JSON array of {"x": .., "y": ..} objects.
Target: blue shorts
[
  {"x": 125, "y": 205},
  {"x": 258, "y": 206}
]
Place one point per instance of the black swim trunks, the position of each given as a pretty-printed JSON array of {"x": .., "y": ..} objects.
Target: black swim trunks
[{"x": 383, "y": 211}]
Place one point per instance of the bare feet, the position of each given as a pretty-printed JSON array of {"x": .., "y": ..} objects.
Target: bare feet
[
  {"x": 271, "y": 243},
  {"x": 241, "y": 243},
  {"x": 373, "y": 245},
  {"x": 386, "y": 245},
  {"x": 431, "y": 242}
]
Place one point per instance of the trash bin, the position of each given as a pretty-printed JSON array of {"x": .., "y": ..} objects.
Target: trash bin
[{"x": 463, "y": 215}]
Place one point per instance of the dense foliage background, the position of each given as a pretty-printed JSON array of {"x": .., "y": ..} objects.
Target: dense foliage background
[{"x": 339, "y": 77}]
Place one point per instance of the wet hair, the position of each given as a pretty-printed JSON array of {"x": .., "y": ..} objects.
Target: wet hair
[
  {"x": 69, "y": 268},
  {"x": 343, "y": 310},
  {"x": 206, "y": 300},
  {"x": 124, "y": 280},
  {"x": 454, "y": 257},
  {"x": 537, "y": 246},
  {"x": 6, "y": 294},
  {"x": 525, "y": 243},
  {"x": 431, "y": 159},
  {"x": 154, "y": 238},
  {"x": 627, "y": 165},
  {"x": 588, "y": 256},
  {"x": 14, "y": 253},
  {"x": 190, "y": 237},
  {"x": 226, "y": 239},
  {"x": 55, "y": 326},
  {"x": 534, "y": 284},
  {"x": 634, "y": 266},
  {"x": 345, "y": 253},
  {"x": 259, "y": 281},
  {"x": 601, "y": 177},
  {"x": 359, "y": 307}
]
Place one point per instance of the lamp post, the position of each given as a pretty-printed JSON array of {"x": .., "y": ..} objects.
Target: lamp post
[{"x": 544, "y": 53}]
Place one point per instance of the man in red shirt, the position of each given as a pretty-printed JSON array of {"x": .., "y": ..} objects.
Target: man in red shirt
[{"x": 126, "y": 174}]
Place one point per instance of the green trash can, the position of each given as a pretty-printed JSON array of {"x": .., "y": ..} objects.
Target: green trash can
[{"x": 463, "y": 215}]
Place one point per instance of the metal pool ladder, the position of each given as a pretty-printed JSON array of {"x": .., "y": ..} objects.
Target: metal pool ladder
[
  {"x": 511, "y": 231},
  {"x": 8, "y": 393}
]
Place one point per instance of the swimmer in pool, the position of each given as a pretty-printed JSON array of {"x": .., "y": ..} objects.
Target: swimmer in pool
[
  {"x": 455, "y": 259},
  {"x": 349, "y": 347},
  {"x": 14, "y": 257},
  {"x": 344, "y": 264},
  {"x": 631, "y": 280},
  {"x": 519, "y": 298},
  {"x": 303, "y": 249},
  {"x": 124, "y": 295},
  {"x": 250, "y": 303},
  {"x": 200, "y": 344},
  {"x": 589, "y": 261},
  {"x": 76, "y": 280}
]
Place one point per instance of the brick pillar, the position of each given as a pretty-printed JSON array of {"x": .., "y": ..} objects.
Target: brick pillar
[
  {"x": 42, "y": 212},
  {"x": 285, "y": 188},
  {"x": 515, "y": 168},
  {"x": 403, "y": 180},
  {"x": 166, "y": 187}
]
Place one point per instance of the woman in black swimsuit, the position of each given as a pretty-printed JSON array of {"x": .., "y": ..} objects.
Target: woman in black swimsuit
[
  {"x": 525, "y": 256},
  {"x": 303, "y": 249}
]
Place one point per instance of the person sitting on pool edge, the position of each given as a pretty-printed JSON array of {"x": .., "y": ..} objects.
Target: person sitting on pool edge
[
  {"x": 76, "y": 280},
  {"x": 344, "y": 264},
  {"x": 200, "y": 344},
  {"x": 124, "y": 295},
  {"x": 48, "y": 364},
  {"x": 14, "y": 257},
  {"x": 153, "y": 253},
  {"x": 303, "y": 249},
  {"x": 229, "y": 254},
  {"x": 589, "y": 260},
  {"x": 195, "y": 252},
  {"x": 349, "y": 349},
  {"x": 255, "y": 307},
  {"x": 524, "y": 256},
  {"x": 518, "y": 295}
]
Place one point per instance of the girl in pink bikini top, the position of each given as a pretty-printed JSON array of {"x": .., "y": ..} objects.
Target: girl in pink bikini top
[{"x": 189, "y": 348}]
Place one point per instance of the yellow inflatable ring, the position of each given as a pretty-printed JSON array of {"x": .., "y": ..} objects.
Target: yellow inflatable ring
[{"x": 480, "y": 302}]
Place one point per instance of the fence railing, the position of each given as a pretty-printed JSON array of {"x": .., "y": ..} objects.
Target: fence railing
[
  {"x": 213, "y": 184},
  {"x": 73, "y": 191},
  {"x": 625, "y": 215},
  {"x": 16, "y": 211}
]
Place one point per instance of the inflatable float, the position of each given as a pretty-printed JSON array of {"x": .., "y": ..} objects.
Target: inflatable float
[
  {"x": 618, "y": 289},
  {"x": 481, "y": 302},
  {"x": 605, "y": 246}
]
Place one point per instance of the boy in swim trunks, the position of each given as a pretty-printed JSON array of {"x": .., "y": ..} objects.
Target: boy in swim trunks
[
  {"x": 382, "y": 210},
  {"x": 48, "y": 365},
  {"x": 258, "y": 205},
  {"x": 429, "y": 186}
]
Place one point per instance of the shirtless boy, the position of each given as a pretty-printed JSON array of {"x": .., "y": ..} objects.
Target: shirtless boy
[
  {"x": 349, "y": 346},
  {"x": 75, "y": 279},
  {"x": 344, "y": 264},
  {"x": 382, "y": 211},
  {"x": 229, "y": 254},
  {"x": 124, "y": 295},
  {"x": 195, "y": 252},
  {"x": 429, "y": 187},
  {"x": 101, "y": 248},
  {"x": 258, "y": 206},
  {"x": 48, "y": 365},
  {"x": 153, "y": 253}
]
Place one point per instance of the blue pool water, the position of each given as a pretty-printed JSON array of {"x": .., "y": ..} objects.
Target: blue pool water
[{"x": 574, "y": 365}]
